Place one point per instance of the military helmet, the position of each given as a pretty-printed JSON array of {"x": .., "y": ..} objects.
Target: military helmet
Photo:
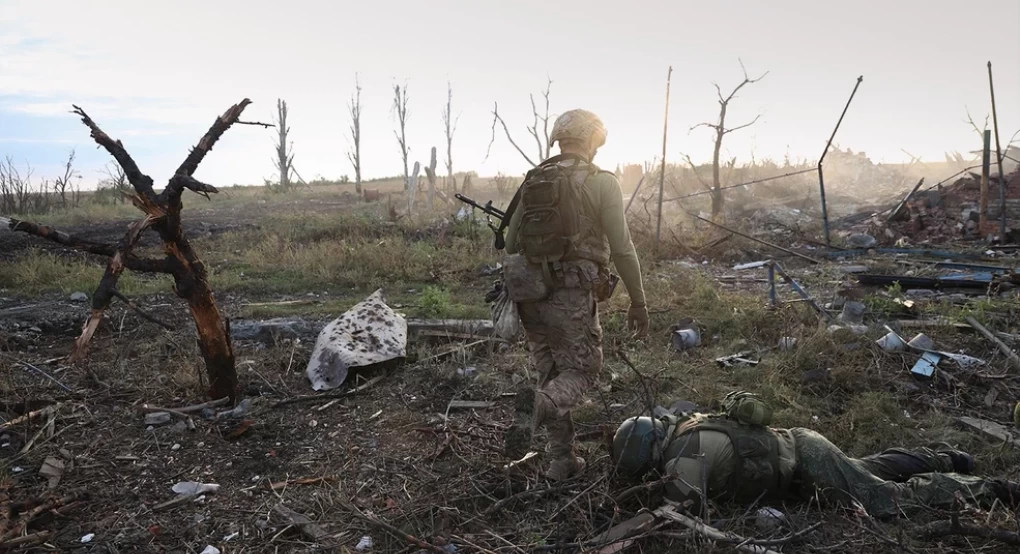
[
  {"x": 638, "y": 444},
  {"x": 747, "y": 408},
  {"x": 580, "y": 125}
]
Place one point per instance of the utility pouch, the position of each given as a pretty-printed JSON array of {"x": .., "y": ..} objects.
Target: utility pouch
[{"x": 523, "y": 280}]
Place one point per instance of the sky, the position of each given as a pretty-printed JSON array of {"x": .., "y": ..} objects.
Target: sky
[{"x": 156, "y": 75}]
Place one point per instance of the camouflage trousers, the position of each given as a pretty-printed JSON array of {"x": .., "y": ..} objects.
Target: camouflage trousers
[
  {"x": 565, "y": 340},
  {"x": 884, "y": 489}
]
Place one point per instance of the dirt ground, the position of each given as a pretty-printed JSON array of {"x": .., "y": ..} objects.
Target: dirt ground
[{"x": 391, "y": 462}]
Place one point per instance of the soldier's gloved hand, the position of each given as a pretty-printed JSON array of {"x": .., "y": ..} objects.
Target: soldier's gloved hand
[{"x": 637, "y": 319}]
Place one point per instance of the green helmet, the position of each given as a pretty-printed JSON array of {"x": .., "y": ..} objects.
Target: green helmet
[
  {"x": 746, "y": 407},
  {"x": 638, "y": 445}
]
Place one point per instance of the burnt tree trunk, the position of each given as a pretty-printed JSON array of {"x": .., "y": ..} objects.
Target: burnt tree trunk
[{"x": 163, "y": 215}]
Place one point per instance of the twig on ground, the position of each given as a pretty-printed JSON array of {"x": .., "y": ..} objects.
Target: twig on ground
[
  {"x": 29, "y": 416},
  {"x": 946, "y": 528},
  {"x": 328, "y": 396},
  {"x": 710, "y": 532}
]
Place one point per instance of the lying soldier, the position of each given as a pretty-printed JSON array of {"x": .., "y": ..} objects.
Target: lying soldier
[{"x": 746, "y": 460}]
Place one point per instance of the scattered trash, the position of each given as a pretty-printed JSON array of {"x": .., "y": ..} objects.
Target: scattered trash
[
  {"x": 739, "y": 359},
  {"x": 87, "y": 538},
  {"x": 964, "y": 361},
  {"x": 891, "y": 342},
  {"x": 194, "y": 488},
  {"x": 467, "y": 371},
  {"x": 231, "y": 536},
  {"x": 925, "y": 367},
  {"x": 79, "y": 297},
  {"x": 853, "y": 313},
  {"x": 240, "y": 410},
  {"x": 53, "y": 469},
  {"x": 210, "y": 549},
  {"x": 922, "y": 342},
  {"x": 176, "y": 446},
  {"x": 369, "y": 333},
  {"x": 787, "y": 343},
  {"x": 157, "y": 418},
  {"x": 769, "y": 518},
  {"x": 364, "y": 544},
  {"x": 751, "y": 265},
  {"x": 686, "y": 335}
]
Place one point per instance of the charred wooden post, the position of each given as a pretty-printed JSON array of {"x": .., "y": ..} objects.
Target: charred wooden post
[{"x": 162, "y": 215}]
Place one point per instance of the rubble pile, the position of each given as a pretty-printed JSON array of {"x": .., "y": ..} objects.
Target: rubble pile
[{"x": 941, "y": 214}]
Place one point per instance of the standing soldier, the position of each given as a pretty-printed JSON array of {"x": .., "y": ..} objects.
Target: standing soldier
[{"x": 566, "y": 223}]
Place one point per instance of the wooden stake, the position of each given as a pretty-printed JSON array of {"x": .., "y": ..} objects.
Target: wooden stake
[
  {"x": 985, "y": 168},
  {"x": 662, "y": 174}
]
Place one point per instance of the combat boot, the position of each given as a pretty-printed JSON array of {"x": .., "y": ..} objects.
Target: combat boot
[
  {"x": 517, "y": 439},
  {"x": 565, "y": 468},
  {"x": 1007, "y": 491},
  {"x": 530, "y": 412},
  {"x": 962, "y": 461}
]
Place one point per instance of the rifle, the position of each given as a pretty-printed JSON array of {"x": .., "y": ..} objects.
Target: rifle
[{"x": 489, "y": 210}]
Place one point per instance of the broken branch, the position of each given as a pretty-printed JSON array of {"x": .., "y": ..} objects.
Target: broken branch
[
  {"x": 711, "y": 533},
  {"x": 214, "y": 133},
  {"x": 496, "y": 118},
  {"x": 998, "y": 343},
  {"x": 139, "y": 311},
  {"x": 142, "y": 183}
]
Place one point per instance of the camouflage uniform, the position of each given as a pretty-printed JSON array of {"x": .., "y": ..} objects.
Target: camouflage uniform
[
  {"x": 563, "y": 328},
  {"x": 873, "y": 481},
  {"x": 565, "y": 339}
]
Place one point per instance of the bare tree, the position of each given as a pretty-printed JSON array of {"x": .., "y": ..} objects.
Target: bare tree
[
  {"x": 979, "y": 130},
  {"x": 62, "y": 185},
  {"x": 400, "y": 107},
  {"x": 355, "y": 110},
  {"x": 284, "y": 150},
  {"x": 541, "y": 136},
  {"x": 721, "y": 131},
  {"x": 451, "y": 128}
]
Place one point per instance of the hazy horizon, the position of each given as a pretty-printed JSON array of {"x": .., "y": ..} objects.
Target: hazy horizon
[{"x": 156, "y": 76}]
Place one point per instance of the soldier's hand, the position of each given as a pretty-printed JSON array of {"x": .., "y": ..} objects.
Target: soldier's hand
[{"x": 637, "y": 319}]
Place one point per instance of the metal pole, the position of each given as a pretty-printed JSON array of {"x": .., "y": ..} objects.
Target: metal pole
[
  {"x": 986, "y": 159},
  {"x": 662, "y": 174},
  {"x": 637, "y": 189},
  {"x": 998, "y": 156},
  {"x": 821, "y": 176}
]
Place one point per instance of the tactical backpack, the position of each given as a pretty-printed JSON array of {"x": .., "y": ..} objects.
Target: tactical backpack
[
  {"x": 551, "y": 198},
  {"x": 755, "y": 448}
]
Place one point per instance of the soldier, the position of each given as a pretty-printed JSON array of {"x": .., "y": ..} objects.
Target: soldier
[
  {"x": 566, "y": 223},
  {"x": 746, "y": 460}
]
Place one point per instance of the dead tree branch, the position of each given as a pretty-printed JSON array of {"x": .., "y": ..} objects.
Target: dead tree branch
[
  {"x": 163, "y": 215},
  {"x": 284, "y": 160},
  {"x": 451, "y": 128},
  {"x": 400, "y": 107},
  {"x": 721, "y": 131},
  {"x": 354, "y": 108},
  {"x": 496, "y": 118}
]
